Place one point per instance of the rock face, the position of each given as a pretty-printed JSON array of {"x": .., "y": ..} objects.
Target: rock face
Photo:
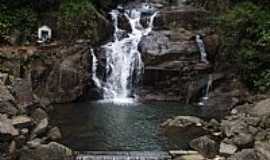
[
  {"x": 173, "y": 67},
  {"x": 7, "y": 101},
  {"x": 62, "y": 76},
  {"x": 57, "y": 72}
]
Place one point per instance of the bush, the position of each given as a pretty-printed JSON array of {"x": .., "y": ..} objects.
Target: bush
[
  {"x": 78, "y": 18},
  {"x": 246, "y": 39},
  {"x": 17, "y": 18}
]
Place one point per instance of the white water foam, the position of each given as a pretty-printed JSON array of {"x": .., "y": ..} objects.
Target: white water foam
[
  {"x": 124, "y": 64},
  {"x": 201, "y": 46},
  {"x": 94, "y": 69}
]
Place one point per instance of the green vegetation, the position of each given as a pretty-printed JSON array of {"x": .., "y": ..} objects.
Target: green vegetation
[
  {"x": 70, "y": 19},
  {"x": 246, "y": 38},
  {"x": 78, "y": 18},
  {"x": 19, "y": 20}
]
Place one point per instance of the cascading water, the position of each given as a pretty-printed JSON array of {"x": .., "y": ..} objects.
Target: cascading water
[
  {"x": 201, "y": 46},
  {"x": 123, "y": 60},
  {"x": 207, "y": 90},
  {"x": 94, "y": 69}
]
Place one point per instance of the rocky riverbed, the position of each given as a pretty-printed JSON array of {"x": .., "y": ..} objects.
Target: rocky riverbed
[
  {"x": 25, "y": 131},
  {"x": 242, "y": 135}
]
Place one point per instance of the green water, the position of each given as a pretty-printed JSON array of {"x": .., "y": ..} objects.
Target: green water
[{"x": 106, "y": 126}]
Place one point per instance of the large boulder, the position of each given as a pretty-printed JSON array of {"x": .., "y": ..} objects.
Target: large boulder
[
  {"x": 262, "y": 108},
  {"x": 54, "y": 134},
  {"x": 206, "y": 146},
  {"x": 38, "y": 115},
  {"x": 41, "y": 128},
  {"x": 164, "y": 46},
  {"x": 227, "y": 149},
  {"x": 7, "y": 130},
  {"x": 183, "y": 122},
  {"x": 51, "y": 151}
]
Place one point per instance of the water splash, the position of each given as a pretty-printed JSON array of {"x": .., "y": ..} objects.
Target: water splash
[
  {"x": 205, "y": 98},
  {"x": 124, "y": 64},
  {"x": 201, "y": 46},
  {"x": 94, "y": 69}
]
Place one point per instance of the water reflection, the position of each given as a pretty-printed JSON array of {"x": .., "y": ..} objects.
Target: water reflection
[{"x": 108, "y": 126}]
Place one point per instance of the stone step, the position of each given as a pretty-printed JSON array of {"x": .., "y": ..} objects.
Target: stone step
[{"x": 123, "y": 155}]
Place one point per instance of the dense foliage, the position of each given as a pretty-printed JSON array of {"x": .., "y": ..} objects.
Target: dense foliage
[
  {"x": 19, "y": 19},
  {"x": 246, "y": 38},
  {"x": 16, "y": 17}
]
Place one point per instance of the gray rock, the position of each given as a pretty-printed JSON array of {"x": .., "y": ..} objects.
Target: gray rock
[
  {"x": 23, "y": 90},
  {"x": 206, "y": 146},
  {"x": 7, "y": 101},
  {"x": 230, "y": 127},
  {"x": 66, "y": 76},
  {"x": 245, "y": 154},
  {"x": 6, "y": 127},
  {"x": 243, "y": 139},
  {"x": 183, "y": 122},
  {"x": 265, "y": 122},
  {"x": 54, "y": 134},
  {"x": 35, "y": 143},
  {"x": 227, "y": 149},
  {"x": 51, "y": 151},
  {"x": 41, "y": 127},
  {"x": 39, "y": 114},
  {"x": 263, "y": 150},
  {"x": 263, "y": 135},
  {"x": 155, "y": 44},
  {"x": 22, "y": 121},
  {"x": 262, "y": 108}
]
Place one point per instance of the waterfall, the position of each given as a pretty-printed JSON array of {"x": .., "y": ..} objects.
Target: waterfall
[
  {"x": 94, "y": 69},
  {"x": 201, "y": 46},
  {"x": 207, "y": 90},
  {"x": 124, "y": 64}
]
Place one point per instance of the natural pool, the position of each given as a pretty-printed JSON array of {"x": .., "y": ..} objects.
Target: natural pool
[{"x": 98, "y": 126}]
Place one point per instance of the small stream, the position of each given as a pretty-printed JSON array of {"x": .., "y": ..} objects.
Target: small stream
[{"x": 131, "y": 127}]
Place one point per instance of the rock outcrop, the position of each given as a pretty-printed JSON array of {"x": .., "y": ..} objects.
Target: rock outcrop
[
  {"x": 23, "y": 134},
  {"x": 55, "y": 72},
  {"x": 239, "y": 136}
]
